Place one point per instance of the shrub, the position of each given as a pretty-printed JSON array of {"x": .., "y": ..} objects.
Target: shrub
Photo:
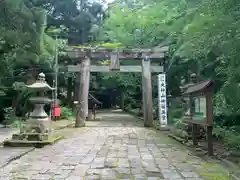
[
  {"x": 233, "y": 141},
  {"x": 66, "y": 113},
  {"x": 174, "y": 114},
  {"x": 178, "y": 123},
  {"x": 10, "y": 119},
  {"x": 230, "y": 136}
]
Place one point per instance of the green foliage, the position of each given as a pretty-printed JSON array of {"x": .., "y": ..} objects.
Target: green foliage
[
  {"x": 203, "y": 36},
  {"x": 24, "y": 47},
  {"x": 27, "y": 46},
  {"x": 3, "y": 91},
  {"x": 175, "y": 111},
  {"x": 10, "y": 119},
  {"x": 196, "y": 33},
  {"x": 178, "y": 123},
  {"x": 116, "y": 85},
  {"x": 233, "y": 141},
  {"x": 66, "y": 113},
  {"x": 73, "y": 19},
  {"x": 111, "y": 45},
  {"x": 21, "y": 38},
  {"x": 18, "y": 123},
  {"x": 230, "y": 136}
]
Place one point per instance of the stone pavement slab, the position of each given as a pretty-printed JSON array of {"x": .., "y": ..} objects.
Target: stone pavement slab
[
  {"x": 9, "y": 154},
  {"x": 117, "y": 147},
  {"x": 6, "y": 133}
]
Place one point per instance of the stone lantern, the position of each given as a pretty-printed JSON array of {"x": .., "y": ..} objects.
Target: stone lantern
[
  {"x": 39, "y": 121},
  {"x": 38, "y": 126}
]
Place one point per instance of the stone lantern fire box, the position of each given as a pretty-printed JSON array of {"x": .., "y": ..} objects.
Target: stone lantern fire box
[{"x": 37, "y": 131}]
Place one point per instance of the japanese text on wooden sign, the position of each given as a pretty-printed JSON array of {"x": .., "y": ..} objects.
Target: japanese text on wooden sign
[{"x": 162, "y": 100}]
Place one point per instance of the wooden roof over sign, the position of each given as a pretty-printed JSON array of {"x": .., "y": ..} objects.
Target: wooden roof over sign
[
  {"x": 124, "y": 53},
  {"x": 199, "y": 87}
]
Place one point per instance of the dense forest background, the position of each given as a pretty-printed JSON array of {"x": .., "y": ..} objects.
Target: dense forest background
[{"x": 203, "y": 36}]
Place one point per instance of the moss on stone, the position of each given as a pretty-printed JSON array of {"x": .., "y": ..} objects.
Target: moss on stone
[
  {"x": 122, "y": 175},
  {"x": 119, "y": 175},
  {"x": 116, "y": 163},
  {"x": 184, "y": 161},
  {"x": 25, "y": 143},
  {"x": 104, "y": 45},
  {"x": 208, "y": 165},
  {"x": 211, "y": 171},
  {"x": 213, "y": 176}
]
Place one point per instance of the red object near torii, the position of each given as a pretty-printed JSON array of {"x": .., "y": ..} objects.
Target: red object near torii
[{"x": 56, "y": 111}]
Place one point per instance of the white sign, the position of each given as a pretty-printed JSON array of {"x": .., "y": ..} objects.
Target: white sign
[{"x": 162, "y": 100}]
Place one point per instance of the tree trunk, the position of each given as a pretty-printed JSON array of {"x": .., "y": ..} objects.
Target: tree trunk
[
  {"x": 31, "y": 76},
  {"x": 122, "y": 100},
  {"x": 69, "y": 91}
]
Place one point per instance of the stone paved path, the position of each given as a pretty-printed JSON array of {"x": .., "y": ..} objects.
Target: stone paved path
[
  {"x": 6, "y": 133},
  {"x": 9, "y": 154},
  {"x": 118, "y": 147}
]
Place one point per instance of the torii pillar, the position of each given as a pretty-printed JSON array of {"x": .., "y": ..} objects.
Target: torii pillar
[
  {"x": 82, "y": 110},
  {"x": 147, "y": 92}
]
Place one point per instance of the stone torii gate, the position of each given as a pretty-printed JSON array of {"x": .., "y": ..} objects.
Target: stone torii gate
[{"x": 83, "y": 65}]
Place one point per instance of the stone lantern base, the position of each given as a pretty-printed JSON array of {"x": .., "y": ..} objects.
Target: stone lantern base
[
  {"x": 31, "y": 136},
  {"x": 30, "y": 140},
  {"x": 36, "y": 133},
  {"x": 38, "y": 125}
]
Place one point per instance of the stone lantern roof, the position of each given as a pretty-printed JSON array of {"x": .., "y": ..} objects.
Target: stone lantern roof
[{"x": 41, "y": 84}]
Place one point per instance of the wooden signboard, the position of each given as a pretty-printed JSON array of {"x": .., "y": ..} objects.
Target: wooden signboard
[{"x": 201, "y": 110}]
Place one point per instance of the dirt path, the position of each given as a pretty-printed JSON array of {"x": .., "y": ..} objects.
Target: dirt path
[{"x": 117, "y": 147}]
